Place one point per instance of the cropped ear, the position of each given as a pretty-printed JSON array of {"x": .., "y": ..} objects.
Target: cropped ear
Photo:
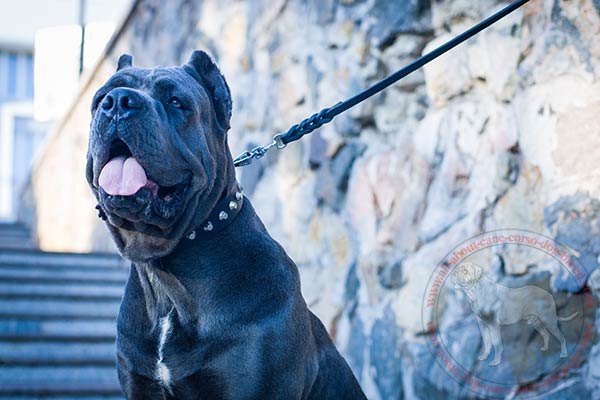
[
  {"x": 125, "y": 61},
  {"x": 202, "y": 67}
]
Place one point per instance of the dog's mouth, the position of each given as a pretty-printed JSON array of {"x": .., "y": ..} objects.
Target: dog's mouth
[{"x": 133, "y": 198}]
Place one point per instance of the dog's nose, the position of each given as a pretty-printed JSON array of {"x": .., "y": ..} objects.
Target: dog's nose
[{"x": 122, "y": 102}]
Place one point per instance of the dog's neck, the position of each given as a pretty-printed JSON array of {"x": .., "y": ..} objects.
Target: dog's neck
[
  {"x": 223, "y": 214},
  {"x": 175, "y": 281},
  {"x": 163, "y": 292}
]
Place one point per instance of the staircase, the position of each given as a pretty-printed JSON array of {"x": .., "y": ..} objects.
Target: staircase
[
  {"x": 14, "y": 235},
  {"x": 57, "y": 323}
]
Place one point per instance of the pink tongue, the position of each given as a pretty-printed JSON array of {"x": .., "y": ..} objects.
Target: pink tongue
[{"x": 122, "y": 176}]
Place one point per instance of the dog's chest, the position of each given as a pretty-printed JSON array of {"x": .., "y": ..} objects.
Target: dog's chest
[
  {"x": 175, "y": 352},
  {"x": 163, "y": 374}
]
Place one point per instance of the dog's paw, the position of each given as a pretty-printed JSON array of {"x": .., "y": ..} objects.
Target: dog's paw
[
  {"x": 494, "y": 362},
  {"x": 483, "y": 356},
  {"x": 563, "y": 354},
  {"x": 544, "y": 347}
]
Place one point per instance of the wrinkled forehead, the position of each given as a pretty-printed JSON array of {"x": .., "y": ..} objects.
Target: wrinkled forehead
[{"x": 158, "y": 79}]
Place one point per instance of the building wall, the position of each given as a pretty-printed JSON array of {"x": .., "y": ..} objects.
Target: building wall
[
  {"x": 19, "y": 24},
  {"x": 19, "y": 134},
  {"x": 16, "y": 75},
  {"x": 500, "y": 133},
  {"x": 23, "y": 125}
]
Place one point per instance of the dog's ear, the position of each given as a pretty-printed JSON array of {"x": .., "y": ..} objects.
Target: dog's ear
[
  {"x": 125, "y": 61},
  {"x": 203, "y": 68}
]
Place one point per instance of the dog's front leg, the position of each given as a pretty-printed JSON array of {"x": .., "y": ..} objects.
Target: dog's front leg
[
  {"x": 487, "y": 340},
  {"x": 137, "y": 387},
  {"x": 496, "y": 343}
]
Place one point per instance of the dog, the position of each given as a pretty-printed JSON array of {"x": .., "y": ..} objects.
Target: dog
[
  {"x": 212, "y": 307},
  {"x": 495, "y": 305}
]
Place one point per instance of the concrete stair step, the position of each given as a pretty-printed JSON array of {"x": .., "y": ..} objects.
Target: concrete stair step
[
  {"x": 15, "y": 236},
  {"x": 16, "y": 243},
  {"x": 76, "y": 330},
  {"x": 73, "y": 291},
  {"x": 59, "y": 380},
  {"x": 21, "y": 258},
  {"x": 14, "y": 233},
  {"x": 58, "y": 309},
  {"x": 57, "y": 353},
  {"x": 14, "y": 229},
  {"x": 68, "y": 275}
]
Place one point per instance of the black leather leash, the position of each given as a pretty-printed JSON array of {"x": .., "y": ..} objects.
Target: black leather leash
[{"x": 327, "y": 114}]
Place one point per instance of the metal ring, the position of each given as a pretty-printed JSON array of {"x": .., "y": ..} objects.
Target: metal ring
[{"x": 278, "y": 140}]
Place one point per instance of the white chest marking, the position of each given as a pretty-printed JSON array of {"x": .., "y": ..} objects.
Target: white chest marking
[{"x": 162, "y": 372}]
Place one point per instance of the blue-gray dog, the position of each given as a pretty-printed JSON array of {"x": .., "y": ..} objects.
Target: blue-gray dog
[{"x": 212, "y": 308}]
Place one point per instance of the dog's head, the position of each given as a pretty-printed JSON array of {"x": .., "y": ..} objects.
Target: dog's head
[
  {"x": 158, "y": 159},
  {"x": 466, "y": 274}
]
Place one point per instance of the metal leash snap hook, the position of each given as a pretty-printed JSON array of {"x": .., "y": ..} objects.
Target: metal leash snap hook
[
  {"x": 243, "y": 159},
  {"x": 258, "y": 152}
]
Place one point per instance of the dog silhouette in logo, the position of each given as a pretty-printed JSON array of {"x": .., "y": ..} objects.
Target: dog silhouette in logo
[{"x": 495, "y": 305}]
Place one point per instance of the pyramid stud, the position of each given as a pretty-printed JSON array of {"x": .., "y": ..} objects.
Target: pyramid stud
[
  {"x": 223, "y": 215},
  {"x": 232, "y": 205},
  {"x": 192, "y": 235},
  {"x": 208, "y": 227},
  {"x": 238, "y": 196}
]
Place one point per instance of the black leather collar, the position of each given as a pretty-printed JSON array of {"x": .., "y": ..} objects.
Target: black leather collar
[{"x": 222, "y": 215}]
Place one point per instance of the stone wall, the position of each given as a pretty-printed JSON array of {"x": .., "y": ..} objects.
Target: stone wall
[{"x": 502, "y": 133}]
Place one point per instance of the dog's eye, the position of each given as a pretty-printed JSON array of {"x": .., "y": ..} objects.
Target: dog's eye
[{"x": 175, "y": 102}]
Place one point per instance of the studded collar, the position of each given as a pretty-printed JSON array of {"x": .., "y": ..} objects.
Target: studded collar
[{"x": 222, "y": 215}]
